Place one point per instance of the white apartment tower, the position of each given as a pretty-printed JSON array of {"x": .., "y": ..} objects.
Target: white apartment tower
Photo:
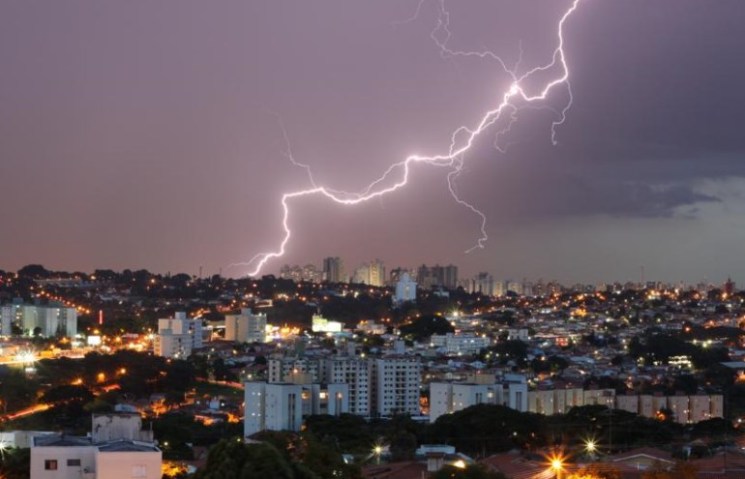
[
  {"x": 178, "y": 336},
  {"x": 371, "y": 274},
  {"x": 282, "y": 406},
  {"x": 354, "y": 372},
  {"x": 396, "y": 383},
  {"x": 48, "y": 321},
  {"x": 448, "y": 397},
  {"x": 284, "y": 369},
  {"x": 245, "y": 327},
  {"x": 276, "y": 407}
]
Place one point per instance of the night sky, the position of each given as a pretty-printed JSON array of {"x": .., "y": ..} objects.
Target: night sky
[{"x": 147, "y": 135}]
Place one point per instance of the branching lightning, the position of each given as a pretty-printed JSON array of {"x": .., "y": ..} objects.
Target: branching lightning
[{"x": 513, "y": 100}]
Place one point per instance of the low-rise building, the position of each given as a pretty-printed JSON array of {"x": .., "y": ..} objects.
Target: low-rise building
[{"x": 113, "y": 450}]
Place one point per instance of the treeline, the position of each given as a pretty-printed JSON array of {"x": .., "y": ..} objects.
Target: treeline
[
  {"x": 73, "y": 388},
  {"x": 487, "y": 429}
]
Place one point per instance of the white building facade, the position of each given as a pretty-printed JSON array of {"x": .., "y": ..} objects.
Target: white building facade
[
  {"x": 282, "y": 406},
  {"x": 396, "y": 382},
  {"x": 114, "y": 450},
  {"x": 355, "y": 373},
  {"x": 448, "y": 397},
  {"x": 47, "y": 321},
  {"x": 459, "y": 344},
  {"x": 245, "y": 327},
  {"x": 405, "y": 290},
  {"x": 178, "y": 336}
]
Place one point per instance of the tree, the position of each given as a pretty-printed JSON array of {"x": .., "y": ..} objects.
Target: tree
[
  {"x": 34, "y": 271},
  {"x": 231, "y": 459},
  {"x": 426, "y": 326},
  {"x": 16, "y": 391},
  {"x": 15, "y": 464},
  {"x": 514, "y": 350},
  {"x": 67, "y": 393},
  {"x": 350, "y": 432},
  {"x": 324, "y": 460},
  {"x": 485, "y": 428}
]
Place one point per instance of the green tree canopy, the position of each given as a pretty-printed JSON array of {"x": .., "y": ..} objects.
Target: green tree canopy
[
  {"x": 424, "y": 327},
  {"x": 231, "y": 459}
]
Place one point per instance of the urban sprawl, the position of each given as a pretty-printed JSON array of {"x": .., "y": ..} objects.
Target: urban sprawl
[{"x": 317, "y": 373}]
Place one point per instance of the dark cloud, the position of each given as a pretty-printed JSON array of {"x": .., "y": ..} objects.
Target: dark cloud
[{"x": 137, "y": 134}]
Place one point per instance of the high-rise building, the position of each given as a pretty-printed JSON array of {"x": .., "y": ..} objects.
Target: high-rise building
[
  {"x": 282, "y": 406},
  {"x": 245, "y": 327},
  {"x": 178, "y": 336},
  {"x": 47, "y": 321},
  {"x": 437, "y": 276},
  {"x": 450, "y": 276},
  {"x": 309, "y": 272},
  {"x": 450, "y": 397},
  {"x": 333, "y": 269},
  {"x": 7, "y": 318},
  {"x": 396, "y": 382},
  {"x": 371, "y": 274},
  {"x": 483, "y": 283},
  {"x": 395, "y": 275},
  {"x": 355, "y": 372},
  {"x": 276, "y": 407},
  {"x": 286, "y": 369}
]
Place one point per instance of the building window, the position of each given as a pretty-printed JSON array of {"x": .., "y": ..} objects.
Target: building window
[
  {"x": 73, "y": 462},
  {"x": 50, "y": 465}
]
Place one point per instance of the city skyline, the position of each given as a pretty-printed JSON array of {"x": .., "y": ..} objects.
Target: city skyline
[{"x": 147, "y": 136}]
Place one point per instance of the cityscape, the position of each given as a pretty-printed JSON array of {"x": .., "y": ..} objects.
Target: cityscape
[
  {"x": 138, "y": 371},
  {"x": 394, "y": 239}
]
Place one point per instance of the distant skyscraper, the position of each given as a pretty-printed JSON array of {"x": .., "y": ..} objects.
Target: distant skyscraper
[
  {"x": 309, "y": 272},
  {"x": 377, "y": 273},
  {"x": 483, "y": 283},
  {"x": 729, "y": 287},
  {"x": 333, "y": 269},
  {"x": 437, "y": 276},
  {"x": 372, "y": 273}
]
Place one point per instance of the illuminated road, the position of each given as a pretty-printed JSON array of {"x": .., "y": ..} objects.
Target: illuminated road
[
  {"x": 221, "y": 383},
  {"x": 27, "y": 412}
]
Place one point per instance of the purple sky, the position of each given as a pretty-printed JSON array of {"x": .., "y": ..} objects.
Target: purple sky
[{"x": 144, "y": 135}]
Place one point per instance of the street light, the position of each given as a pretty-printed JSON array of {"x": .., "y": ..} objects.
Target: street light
[
  {"x": 377, "y": 452},
  {"x": 556, "y": 460},
  {"x": 590, "y": 446}
]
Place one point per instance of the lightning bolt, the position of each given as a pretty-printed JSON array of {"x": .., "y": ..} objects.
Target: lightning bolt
[{"x": 396, "y": 176}]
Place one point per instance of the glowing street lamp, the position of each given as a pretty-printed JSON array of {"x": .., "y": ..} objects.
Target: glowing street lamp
[
  {"x": 377, "y": 451},
  {"x": 556, "y": 461},
  {"x": 590, "y": 446}
]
